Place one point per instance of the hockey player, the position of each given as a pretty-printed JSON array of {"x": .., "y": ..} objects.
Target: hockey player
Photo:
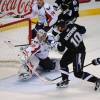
[
  {"x": 46, "y": 16},
  {"x": 70, "y": 10},
  {"x": 71, "y": 39},
  {"x": 36, "y": 55}
]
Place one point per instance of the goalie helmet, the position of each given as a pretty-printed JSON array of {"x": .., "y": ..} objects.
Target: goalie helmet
[
  {"x": 41, "y": 32},
  {"x": 41, "y": 35},
  {"x": 35, "y": 41}
]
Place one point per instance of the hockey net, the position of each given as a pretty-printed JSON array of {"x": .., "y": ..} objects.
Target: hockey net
[{"x": 16, "y": 31}]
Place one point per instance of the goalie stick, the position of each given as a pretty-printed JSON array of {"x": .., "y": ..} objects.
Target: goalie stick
[
  {"x": 43, "y": 79},
  {"x": 11, "y": 44}
]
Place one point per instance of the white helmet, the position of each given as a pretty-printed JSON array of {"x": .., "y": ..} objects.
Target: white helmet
[
  {"x": 35, "y": 41},
  {"x": 41, "y": 35},
  {"x": 41, "y": 32}
]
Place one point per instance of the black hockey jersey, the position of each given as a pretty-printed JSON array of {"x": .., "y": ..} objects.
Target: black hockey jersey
[
  {"x": 70, "y": 8},
  {"x": 72, "y": 38}
]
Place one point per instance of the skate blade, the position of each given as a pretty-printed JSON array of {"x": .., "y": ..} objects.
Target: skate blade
[
  {"x": 25, "y": 77},
  {"x": 65, "y": 86}
]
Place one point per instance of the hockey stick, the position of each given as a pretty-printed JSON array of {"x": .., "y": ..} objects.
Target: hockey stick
[
  {"x": 93, "y": 62},
  {"x": 11, "y": 44},
  {"x": 65, "y": 73},
  {"x": 43, "y": 79},
  {"x": 21, "y": 45}
]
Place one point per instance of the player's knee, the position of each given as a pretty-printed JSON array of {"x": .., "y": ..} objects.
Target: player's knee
[
  {"x": 78, "y": 74},
  {"x": 62, "y": 64}
]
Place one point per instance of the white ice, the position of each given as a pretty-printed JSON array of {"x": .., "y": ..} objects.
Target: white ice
[{"x": 35, "y": 89}]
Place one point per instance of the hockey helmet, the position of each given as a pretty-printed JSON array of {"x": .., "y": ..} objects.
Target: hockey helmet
[
  {"x": 41, "y": 35},
  {"x": 35, "y": 41}
]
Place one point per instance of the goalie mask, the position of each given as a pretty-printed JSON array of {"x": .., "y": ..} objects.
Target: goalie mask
[
  {"x": 35, "y": 41},
  {"x": 41, "y": 35}
]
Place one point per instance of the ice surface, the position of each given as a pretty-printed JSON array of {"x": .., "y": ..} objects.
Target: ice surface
[{"x": 12, "y": 89}]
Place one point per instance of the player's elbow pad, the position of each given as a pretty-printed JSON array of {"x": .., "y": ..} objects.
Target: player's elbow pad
[
  {"x": 60, "y": 48},
  {"x": 83, "y": 30}
]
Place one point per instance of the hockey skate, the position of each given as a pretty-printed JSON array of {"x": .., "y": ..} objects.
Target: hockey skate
[
  {"x": 63, "y": 84},
  {"x": 97, "y": 85},
  {"x": 24, "y": 73}
]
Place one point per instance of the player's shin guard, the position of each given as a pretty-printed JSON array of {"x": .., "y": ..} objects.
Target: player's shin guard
[
  {"x": 65, "y": 80},
  {"x": 65, "y": 73}
]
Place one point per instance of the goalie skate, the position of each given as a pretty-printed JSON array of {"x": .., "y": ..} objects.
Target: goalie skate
[
  {"x": 24, "y": 76},
  {"x": 24, "y": 73}
]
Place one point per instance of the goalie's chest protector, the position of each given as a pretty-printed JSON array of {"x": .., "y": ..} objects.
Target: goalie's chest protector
[{"x": 44, "y": 51}]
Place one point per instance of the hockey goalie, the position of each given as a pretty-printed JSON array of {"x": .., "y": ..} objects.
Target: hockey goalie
[{"x": 36, "y": 55}]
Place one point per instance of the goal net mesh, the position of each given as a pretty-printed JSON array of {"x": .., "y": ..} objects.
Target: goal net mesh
[{"x": 18, "y": 32}]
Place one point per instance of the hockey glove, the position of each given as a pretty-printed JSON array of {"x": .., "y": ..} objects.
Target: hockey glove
[{"x": 96, "y": 61}]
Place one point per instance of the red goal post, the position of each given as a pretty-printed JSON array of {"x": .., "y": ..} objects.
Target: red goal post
[
  {"x": 18, "y": 24},
  {"x": 18, "y": 31}
]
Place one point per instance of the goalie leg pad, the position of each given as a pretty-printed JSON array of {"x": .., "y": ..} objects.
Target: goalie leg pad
[
  {"x": 23, "y": 73},
  {"x": 27, "y": 70}
]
